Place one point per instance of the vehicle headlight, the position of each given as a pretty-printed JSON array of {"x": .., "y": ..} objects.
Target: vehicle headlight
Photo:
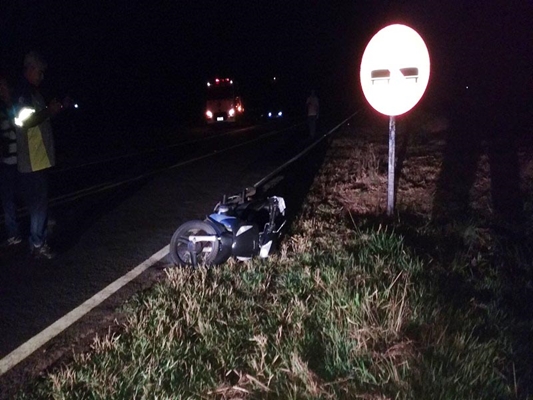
[
  {"x": 209, "y": 114},
  {"x": 231, "y": 112}
]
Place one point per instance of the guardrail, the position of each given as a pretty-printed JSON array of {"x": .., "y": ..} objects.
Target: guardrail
[{"x": 267, "y": 178}]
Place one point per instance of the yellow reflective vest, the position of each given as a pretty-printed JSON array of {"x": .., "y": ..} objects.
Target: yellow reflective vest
[{"x": 35, "y": 146}]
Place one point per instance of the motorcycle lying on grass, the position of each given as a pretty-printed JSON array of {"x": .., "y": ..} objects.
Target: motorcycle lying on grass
[{"x": 240, "y": 226}]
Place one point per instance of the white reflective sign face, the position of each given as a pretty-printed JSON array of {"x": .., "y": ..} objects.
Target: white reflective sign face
[{"x": 395, "y": 70}]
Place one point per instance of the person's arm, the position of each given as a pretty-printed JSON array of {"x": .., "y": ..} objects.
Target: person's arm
[{"x": 39, "y": 117}]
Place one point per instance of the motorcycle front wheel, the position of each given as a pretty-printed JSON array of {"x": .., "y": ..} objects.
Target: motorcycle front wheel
[{"x": 187, "y": 248}]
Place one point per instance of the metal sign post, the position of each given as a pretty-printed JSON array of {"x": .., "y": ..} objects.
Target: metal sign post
[
  {"x": 392, "y": 163},
  {"x": 394, "y": 75}
]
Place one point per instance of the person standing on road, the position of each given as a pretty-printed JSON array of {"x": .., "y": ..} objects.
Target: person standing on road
[
  {"x": 312, "y": 113},
  {"x": 8, "y": 162},
  {"x": 35, "y": 148}
]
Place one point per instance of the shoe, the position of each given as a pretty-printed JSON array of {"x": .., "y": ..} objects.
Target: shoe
[
  {"x": 42, "y": 252},
  {"x": 13, "y": 241}
]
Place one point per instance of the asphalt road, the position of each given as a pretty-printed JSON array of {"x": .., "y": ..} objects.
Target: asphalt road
[{"x": 109, "y": 217}]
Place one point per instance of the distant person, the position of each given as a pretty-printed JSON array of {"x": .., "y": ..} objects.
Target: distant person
[
  {"x": 35, "y": 150},
  {"x": 8, "y": 162},
  {"x": 312, "y": 113}
]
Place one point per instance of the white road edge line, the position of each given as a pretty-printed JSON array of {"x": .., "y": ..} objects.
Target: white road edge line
[
  {"x": 24, "y": 350},
  {"x": 27, "y": 348}
]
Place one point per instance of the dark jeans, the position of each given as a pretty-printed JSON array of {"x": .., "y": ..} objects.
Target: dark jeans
[
  {"x": 35, "y": 190},
  {"x": 311, "y": 121},
  {"x": 9, "y": 178}
]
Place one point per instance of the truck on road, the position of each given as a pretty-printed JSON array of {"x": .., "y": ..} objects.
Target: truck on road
[{"x": 223, "y": 103}]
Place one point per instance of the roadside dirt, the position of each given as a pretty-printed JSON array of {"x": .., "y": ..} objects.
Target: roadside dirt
[{"x": 433, "y": 178}]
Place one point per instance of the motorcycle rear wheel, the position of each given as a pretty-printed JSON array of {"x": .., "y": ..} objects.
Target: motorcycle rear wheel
[{"x": 186, "y": 253}]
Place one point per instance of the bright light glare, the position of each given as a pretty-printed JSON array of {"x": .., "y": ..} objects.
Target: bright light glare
[
  {"x": 231, "y": 112},
  {"x": 395, "y": 69},
  {"x": 269, "y": 115},
  {"x": 209, "y": 114},
  {"x": 76, "y": 106},
  {"x": 24, "y": 114},
  {"x": 280, "y": 113}
]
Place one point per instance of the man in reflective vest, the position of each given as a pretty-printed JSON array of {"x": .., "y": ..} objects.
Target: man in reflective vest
[{"x": 36, "y": 152}]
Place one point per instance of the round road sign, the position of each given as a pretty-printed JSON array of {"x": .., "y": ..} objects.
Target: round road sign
[{"x": 395, "y": 70}]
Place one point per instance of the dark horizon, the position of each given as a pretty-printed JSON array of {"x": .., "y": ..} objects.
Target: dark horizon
[{"x": 143, "y": 63}]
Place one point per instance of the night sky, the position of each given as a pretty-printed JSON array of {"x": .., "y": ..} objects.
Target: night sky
[{"x": 146, "y": 62}]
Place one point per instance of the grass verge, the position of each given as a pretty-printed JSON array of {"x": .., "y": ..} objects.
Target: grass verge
[{"x": 354, "y": 306}]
